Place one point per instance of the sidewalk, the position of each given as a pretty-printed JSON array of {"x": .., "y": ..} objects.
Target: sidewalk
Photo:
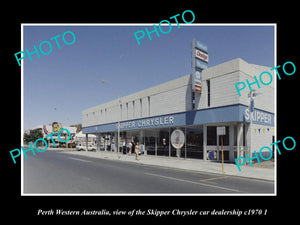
[{"x": 180, "y": 163}]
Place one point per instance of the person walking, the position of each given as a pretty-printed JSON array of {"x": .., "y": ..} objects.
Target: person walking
[
  {"x": 137, "y": 150},
  {"x": 130, "y": 147}
]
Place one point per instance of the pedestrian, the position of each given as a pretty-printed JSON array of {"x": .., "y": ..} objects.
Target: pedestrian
[
  {"x": 137, "y": 150},
  {"x": 130, "y": 147},
  {"x": 141, "y": 148},
  {"x": 112, "y": 146},
  {"x": 133, "y": 145}
]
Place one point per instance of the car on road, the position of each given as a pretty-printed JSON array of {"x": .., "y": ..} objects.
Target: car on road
[{"x": 82, "y": 147}]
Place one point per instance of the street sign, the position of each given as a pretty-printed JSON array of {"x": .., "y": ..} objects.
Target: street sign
[{"x": 221, "y": 131}]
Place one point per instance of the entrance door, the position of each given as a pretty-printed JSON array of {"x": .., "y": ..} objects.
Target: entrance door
[{"x": 213, "y": 143}]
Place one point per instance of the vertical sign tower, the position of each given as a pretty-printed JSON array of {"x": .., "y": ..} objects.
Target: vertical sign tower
[{"x": 199, "y": 63}]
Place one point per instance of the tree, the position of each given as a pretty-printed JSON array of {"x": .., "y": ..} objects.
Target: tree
[
  {"x": 78, "y": 127},
  {"x": 33, "y": 136}
]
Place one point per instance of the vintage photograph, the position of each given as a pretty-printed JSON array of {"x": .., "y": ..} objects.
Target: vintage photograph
[{"x": 171, "y": 108}]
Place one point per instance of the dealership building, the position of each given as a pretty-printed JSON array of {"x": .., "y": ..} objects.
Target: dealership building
[{"x": 151, "y": 115}]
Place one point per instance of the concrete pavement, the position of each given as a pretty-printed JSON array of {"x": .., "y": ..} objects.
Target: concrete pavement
[
  {"x": 180, "y": 163},
  {"x": 57, "y": 172}
]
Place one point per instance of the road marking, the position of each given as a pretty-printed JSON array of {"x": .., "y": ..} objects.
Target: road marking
[
  {"x": 213, "y": 178},
  {"x": 193, "y": 182},
  {"x": 83, "y": 160}
]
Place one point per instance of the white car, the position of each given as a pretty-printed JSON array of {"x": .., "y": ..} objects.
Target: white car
[{"x": 82, "y": 147}]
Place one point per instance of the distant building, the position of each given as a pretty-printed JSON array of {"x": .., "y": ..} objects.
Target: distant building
[{"x": 54, "y": 128}]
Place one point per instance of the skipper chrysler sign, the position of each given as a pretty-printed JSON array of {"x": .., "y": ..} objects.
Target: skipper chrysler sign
[
  {"x": 199, "y": 63},
  {"x": 201, "y": 55}
]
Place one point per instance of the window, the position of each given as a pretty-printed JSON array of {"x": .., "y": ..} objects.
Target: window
[
  {"x": 133, "y": 109},
  {"x": 194, "y": 142},
  {"x": 141, "y": 104},
  {"x": 225, "y": 137},
  {"x": 127, "y": 109},
  {"x": 148, "y": 105},
  {"x": 208, "y": 92},
  {"x": 211, "y": 135},
  {"x": 163, "y": 135},
  {"x": 193, "y": 100}
]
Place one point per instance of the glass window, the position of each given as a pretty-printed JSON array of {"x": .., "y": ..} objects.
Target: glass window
[
  {"x": 150, "y": 135},
  {"x": 211, "y": 135},
  {"x": 163, "y": 142},
  {"x": 235, "y": 135},
  {"x": 225, "y": 137},
  {"x": 194, "y": 142}
]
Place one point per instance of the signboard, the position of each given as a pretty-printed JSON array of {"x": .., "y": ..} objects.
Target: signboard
[
  {"x": 201, "y": 55},
  {"x": 177, "y": 138},
  {"x": 56, "y": 126},
  {"x": 200, "y": 45},
  {"x": 199, "y": 63},
  {"x": 221, "y": 131},
  {"x": 198, "y": 87}
]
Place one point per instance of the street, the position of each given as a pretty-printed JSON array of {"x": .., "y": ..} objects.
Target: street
[{"x": 52, "y": 172}]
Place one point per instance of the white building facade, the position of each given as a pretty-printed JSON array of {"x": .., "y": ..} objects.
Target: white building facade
[{"x": 150, "y": 116}]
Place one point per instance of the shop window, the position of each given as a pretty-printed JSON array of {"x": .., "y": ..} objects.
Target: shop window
[
  {"x": 163, "y": 142},
  {"x": 225, "y": 154},
  {"x": 194, "y": 142},
  {"x": 211, "y": 135},
  {"x": 225, "y": 137},
  {"x": 150, "y": 141}
]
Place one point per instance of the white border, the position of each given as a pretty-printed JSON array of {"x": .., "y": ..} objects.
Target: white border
[{"x": 147, "y": 24}]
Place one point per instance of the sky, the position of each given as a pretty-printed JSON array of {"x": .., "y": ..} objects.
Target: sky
[{"x": 60, "y": 85}]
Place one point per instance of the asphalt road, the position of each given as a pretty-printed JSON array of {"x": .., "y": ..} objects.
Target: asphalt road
[{"x": 52, "y": 172}]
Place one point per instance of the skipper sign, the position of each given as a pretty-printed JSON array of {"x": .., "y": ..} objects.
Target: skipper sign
[{"x": 199, "y": 63}]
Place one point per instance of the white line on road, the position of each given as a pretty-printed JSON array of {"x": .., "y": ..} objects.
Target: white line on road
[
  {"x": 189, "y": 181},
  {"x": 83, "y": 160}
]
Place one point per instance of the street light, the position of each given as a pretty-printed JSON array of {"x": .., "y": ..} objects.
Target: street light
[
  {"x": 251, "y": 108},
  {"x": 118, "y": 139}
]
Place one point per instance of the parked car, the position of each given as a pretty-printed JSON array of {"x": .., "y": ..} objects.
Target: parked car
[{"x": 82, "y": 147}]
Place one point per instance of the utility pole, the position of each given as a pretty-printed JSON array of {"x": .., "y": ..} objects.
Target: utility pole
[{"x": 251, "y": 108}]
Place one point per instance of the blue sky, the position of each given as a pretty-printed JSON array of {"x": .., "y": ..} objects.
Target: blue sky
[{"x": 59, "y": 86}]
